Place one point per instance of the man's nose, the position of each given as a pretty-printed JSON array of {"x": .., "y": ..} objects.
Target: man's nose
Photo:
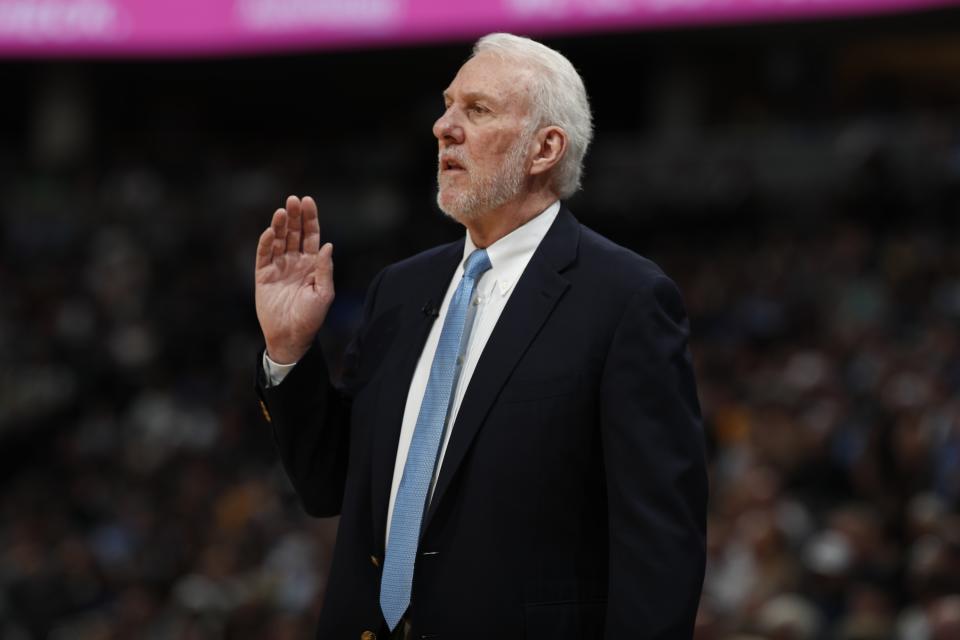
[{"x": 447, "y": 129}]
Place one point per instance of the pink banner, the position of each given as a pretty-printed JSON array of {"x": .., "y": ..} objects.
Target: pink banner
[{"x": 48, "y": 28}]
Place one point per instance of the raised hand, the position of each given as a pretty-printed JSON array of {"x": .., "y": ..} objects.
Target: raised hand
[{"x": 293, "y": 280}]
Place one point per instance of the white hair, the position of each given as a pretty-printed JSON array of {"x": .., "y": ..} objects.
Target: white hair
[{"x": 557, "y": 97}]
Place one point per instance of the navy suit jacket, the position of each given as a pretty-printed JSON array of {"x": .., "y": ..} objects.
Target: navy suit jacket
[{"x": 571, "y": 502}]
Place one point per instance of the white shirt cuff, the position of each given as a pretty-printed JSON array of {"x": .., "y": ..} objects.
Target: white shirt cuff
[{"x": 275, "y": 371}]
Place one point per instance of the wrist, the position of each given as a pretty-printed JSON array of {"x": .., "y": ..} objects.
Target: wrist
[{"x": 286, "y": 354}]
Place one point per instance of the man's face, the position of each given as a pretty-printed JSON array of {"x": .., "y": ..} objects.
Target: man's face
[{"x": 484, "y": 138}]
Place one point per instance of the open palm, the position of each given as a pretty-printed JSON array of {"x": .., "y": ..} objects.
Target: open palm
[{"x": 293, "y": 280}]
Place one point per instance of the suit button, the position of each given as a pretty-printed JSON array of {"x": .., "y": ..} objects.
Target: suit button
[
  {"x": 375, "y": 561},
  {"x": 368, "y": 635}
]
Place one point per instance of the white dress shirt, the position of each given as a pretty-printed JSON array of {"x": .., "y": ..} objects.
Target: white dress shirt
[{"x": 508, "y": 258}]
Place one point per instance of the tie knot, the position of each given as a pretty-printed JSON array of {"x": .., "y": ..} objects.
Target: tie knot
[{"x": 477, "y": 264}]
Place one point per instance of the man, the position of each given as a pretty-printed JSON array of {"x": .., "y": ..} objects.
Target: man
[{"x": 515, "y": 449}]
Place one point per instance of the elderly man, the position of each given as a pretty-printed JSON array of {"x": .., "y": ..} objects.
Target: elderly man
[{"x": 515, "y": 448}]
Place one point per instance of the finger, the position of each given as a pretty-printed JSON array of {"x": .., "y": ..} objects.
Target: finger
[
  {"x": 293, "y": 202},
  {"x": 293, "y": 224},
  {"x": 279, "y": 226},
  {"x": 265, "y": 248},
  {"x": 311, "y": 226},
  {"x": 323, "y": 273}
]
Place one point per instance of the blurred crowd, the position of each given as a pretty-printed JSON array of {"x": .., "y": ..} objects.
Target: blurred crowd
[
  {"x": 141, "y": 494},
  {"x": 829, "y": 371}
]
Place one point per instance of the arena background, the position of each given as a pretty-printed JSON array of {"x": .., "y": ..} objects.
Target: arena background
[{"x": 799, "y": 179}]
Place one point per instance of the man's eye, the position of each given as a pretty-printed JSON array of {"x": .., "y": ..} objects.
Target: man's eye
[{"x": 478, "y": 108}]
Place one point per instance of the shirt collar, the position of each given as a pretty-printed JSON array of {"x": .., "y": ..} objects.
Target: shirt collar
[{"x": 510, "y": 254}]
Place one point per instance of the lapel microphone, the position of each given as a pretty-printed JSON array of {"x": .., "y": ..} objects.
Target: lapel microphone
[{"x": 430, "y": 309}]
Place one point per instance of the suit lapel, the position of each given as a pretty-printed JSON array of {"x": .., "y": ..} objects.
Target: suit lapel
[
  {"x": 537, "y": 293},
  {"x": 398, "y": 368}
]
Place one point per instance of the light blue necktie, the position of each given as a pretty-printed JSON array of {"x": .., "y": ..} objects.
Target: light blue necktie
[{"x": 411, "y": 500}]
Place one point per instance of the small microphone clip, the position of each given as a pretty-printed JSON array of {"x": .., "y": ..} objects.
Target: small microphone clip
[{"x": 430, "y": 309}]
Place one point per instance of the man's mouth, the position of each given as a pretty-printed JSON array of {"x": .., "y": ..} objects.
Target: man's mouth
[{"x": 449, "y": 164}]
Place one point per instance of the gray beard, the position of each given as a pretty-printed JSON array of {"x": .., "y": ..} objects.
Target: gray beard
[{"x": 488, "y": 192}]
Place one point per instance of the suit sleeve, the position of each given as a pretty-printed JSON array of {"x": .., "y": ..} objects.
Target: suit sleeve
[
  {"x": 310, "y": 417},
  {"x": 655, "y": 470}
]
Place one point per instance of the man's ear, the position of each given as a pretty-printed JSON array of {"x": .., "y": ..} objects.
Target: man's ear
[{"x": 551, "y": 144}]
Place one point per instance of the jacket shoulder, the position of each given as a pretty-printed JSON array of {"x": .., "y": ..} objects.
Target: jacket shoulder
[
  {"x": 427, "y": 260},
  {"x": 621, "y": 268}
]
